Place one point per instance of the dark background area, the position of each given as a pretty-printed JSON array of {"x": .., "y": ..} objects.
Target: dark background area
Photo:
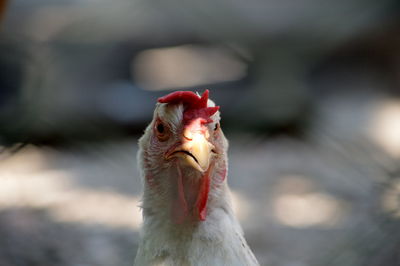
[{"x": 310, "y": 101}]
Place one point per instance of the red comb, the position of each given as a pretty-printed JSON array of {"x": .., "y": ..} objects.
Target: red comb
[
  {"x": 195, "y": 106},
  {"x": 186, "y": 97}
]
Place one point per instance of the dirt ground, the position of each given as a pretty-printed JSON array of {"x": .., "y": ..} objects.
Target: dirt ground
[{"x": 330, "y": 198}]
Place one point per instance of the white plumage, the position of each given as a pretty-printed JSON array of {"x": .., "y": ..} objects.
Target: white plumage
[{"x": 188, "y": 217}]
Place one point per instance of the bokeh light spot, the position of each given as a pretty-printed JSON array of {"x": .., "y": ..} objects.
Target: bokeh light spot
[
  {"x": 298, "y": 203},
  {"x": 185, "y": 66},
  {"x": 385, "y": 127}
]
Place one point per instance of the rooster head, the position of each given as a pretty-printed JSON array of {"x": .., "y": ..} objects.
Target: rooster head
[{"x": 183, "y": 155}]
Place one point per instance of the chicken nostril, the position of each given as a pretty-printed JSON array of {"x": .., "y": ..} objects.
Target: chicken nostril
[
  {"x": 187, "y": 134},
  {"x": 187, "y": 138}
]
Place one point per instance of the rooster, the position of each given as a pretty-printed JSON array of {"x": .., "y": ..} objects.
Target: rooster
[{"x": 187, "y": 212}]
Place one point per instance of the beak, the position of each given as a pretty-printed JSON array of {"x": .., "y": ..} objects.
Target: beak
[{"x": 195, "y": 150}]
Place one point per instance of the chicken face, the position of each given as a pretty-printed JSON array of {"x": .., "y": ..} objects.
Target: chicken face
[{"x": 183, "y": 150}]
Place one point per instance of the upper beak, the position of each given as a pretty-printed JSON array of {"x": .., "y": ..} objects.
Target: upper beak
[{"x": 195, "y": 150}]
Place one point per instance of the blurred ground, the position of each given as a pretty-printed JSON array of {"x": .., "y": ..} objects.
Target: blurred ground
[{"x": 324, "y": 199}]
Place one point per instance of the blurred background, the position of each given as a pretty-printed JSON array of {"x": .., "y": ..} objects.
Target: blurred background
[{"x": 310, "y": 98}]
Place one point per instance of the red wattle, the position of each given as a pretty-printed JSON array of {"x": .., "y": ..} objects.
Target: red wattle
[
  {"x": 185, "y": 206},
  {"x": 179, "y": 207},
  {"x": 203, "y": 196}
]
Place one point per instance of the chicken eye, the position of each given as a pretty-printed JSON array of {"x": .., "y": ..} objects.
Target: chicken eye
[
  {"x": 160, "y": 128},
  {"x": 161, "y": 131},
  {"x": 216, "y": 126}
]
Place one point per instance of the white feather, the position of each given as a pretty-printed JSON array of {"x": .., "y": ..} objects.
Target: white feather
[{"x": 216, "y": 241}]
